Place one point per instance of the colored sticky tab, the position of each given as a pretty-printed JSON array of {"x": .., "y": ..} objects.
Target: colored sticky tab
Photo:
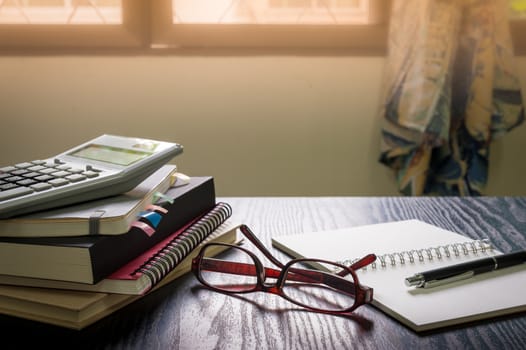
[
  {"x": 144, "y": 227},
  {"x": 182, "y": 179},
  {"x": 158, "y": 195},
  {"x": 152, "y": 217},
  {"x": 157, "y": 208}
]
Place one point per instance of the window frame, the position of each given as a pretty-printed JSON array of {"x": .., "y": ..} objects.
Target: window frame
[
  {"x": 369, "y": 38},
  {"x": 147, "y": 28},
  {"x": 133, "y": 32}
]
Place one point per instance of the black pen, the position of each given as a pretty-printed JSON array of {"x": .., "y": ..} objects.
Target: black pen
[{"x": 453, "y": 273}]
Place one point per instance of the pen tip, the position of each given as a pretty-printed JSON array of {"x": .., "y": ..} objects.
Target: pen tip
[{"x": 414, "y": 281}]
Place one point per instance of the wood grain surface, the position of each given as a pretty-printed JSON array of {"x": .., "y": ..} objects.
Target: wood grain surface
[{"x": 185, "y": 315}]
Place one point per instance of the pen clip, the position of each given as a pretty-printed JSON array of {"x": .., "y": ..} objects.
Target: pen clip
[{"x": 460, "y": 277}]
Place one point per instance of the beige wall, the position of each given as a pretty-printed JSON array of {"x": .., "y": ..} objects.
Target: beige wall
[{"x": 261, "y": 125}]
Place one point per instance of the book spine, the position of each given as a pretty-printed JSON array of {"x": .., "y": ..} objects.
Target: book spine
[
  {"x": 167, "y": 258},
  {"x": 430, "y": 253}
]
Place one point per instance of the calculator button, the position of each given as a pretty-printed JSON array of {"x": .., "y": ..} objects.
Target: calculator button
[
  {"x": 90, "y": 174},
  {"x": 61, "y": 174},
  {"x": 58, "y": 182},
  {"x": 26, "y": 182},
  {"x": 75, "y": 177},
  {"x": 44, "y": 178},
  {"x": 47, "y": 170},
  {"x": 19, "y": 172},
  {"x": 7, "y": 186},
  {"x": 75, "y": 170},
  {"x": 36, "y": 168},
  {"x": 31, "y": 175},
  {"x": 23, "y": 165},
  {"x": 63, "y": 167},
  {"x": 41, "y": 186},
  {"x": 91, "y": 168},
  {"x": 14, "y": 178},
  {"x": 15, "y": 192},
  {"x": 7, "y": 169},
  {"x": 39, "y": 162}
]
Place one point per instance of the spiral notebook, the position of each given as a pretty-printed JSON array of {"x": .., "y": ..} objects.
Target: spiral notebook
[
  {"x": 78, "y": 309},
  {"x": 407, "y": 247},
  {"x": 146, "y": 270}
]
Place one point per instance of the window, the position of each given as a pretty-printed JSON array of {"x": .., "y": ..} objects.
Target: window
[
  {"x": 72, "y": 23},
  {"x": 60, "y": 12},
  {"x": 161, "y": 25},
  {"x": 356, "y": 24},
  {"x": 272, "y": 11}
]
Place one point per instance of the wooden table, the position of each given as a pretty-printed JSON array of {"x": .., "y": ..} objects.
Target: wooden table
[{"x": 185, "y": 315}]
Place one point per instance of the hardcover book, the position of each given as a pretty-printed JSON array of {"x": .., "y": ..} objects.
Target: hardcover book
[
  {"x": 146, "y": 270},
  {"x": 89, "y": 259},
  {"x": 79, "y": 309}
]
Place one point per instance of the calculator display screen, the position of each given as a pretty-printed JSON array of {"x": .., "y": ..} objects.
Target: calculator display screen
[{"x": 109, "y": 154}]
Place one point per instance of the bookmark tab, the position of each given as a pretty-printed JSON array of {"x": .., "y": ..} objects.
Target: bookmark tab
[
  {"x": 159, "y": 195},
  {"x": 157, "y": 208},
  {"x": 94, "y": 222},
  {"x": 152, "y": 217},
  {"x": 144, "y": 227}
]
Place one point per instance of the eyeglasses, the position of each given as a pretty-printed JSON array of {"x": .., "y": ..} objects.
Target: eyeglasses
[{"x": 315, "y": 284}]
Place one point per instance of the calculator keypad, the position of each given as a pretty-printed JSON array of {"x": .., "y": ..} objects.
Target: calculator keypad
[{"x": 28, "y": 177}]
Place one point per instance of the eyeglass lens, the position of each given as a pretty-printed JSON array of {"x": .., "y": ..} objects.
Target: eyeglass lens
[
  {"x": 223, "y": 275},
  {"x": 305, "y": 284}
]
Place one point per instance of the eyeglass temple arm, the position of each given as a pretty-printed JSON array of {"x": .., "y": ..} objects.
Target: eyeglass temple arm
[
  {"x": 236, "y": 268},
  {"x": 252, "y": 237},
  {"x": 295, "y": 274},
  {"x": 366, "y": 260},
  {"x": 330, "y": 279},
  {"x": 239, "y": 268}
]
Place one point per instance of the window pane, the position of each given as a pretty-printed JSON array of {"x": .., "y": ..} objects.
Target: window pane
[
  {"x": 271, "y": 11},
  {"x": 60, "y": 12}
]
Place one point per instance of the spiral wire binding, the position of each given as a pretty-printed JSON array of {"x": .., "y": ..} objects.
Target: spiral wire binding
[
  {"x": 166, "y": 259},
  {"x": 448, "y": 250}
]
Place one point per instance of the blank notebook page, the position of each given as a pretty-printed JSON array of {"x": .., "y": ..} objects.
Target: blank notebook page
[{"x": 483, "y": 296}]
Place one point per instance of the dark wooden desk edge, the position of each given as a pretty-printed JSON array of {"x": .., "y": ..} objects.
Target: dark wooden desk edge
[{"x": 183, "y": 315}]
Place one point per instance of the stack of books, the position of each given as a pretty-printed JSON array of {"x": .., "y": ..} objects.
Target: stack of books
[{"x": 72, "y": 266}]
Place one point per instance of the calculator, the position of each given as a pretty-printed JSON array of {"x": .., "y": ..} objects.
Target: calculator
[{"x": 105, "y": 166}]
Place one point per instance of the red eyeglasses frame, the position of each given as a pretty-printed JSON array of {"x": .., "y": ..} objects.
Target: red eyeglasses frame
[{"x": 362, "y": 294}]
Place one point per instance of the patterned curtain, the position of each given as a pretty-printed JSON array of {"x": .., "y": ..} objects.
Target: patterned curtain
[{"x": 450, "y": 89}]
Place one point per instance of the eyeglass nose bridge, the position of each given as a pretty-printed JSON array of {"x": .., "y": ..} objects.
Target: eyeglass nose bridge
[
  {"x": 277, "y": 275},
  {"x": 264, "y": 274},
  {"x": 272, "y": 288}
]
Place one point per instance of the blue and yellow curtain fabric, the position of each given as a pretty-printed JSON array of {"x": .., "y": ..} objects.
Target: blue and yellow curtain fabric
[{"x": 450, "y": 89}]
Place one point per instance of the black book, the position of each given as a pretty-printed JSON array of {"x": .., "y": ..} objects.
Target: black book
[{"x": 89, "y": 259}]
